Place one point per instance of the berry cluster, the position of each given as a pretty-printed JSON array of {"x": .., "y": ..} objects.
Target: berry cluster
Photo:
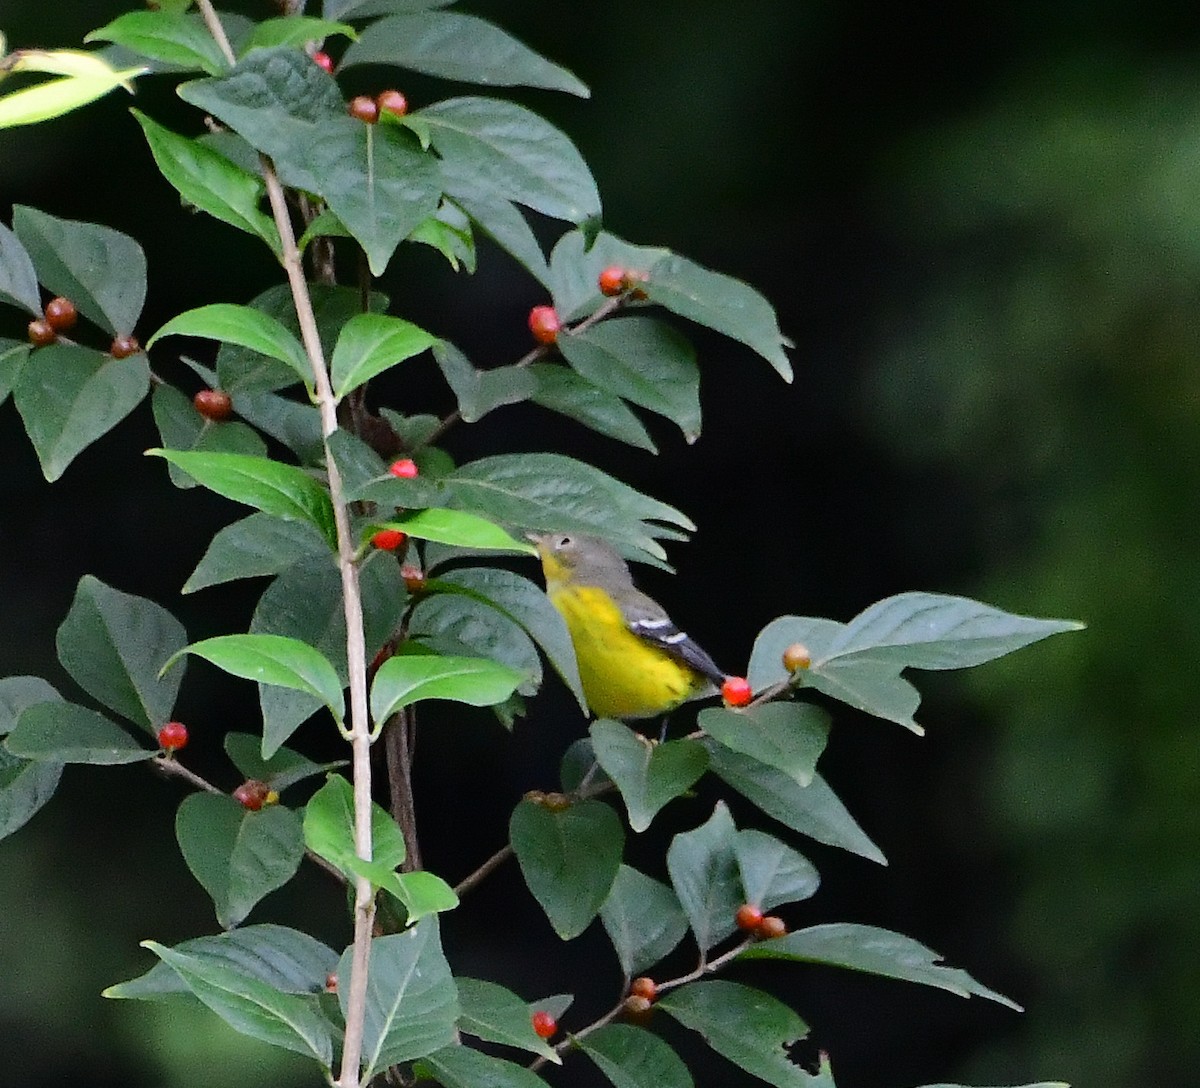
[{"x": 369, "y": 110}]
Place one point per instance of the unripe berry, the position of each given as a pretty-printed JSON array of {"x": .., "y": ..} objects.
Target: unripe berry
[
  {"x": 612, "y": 280},
  {"x": 331, "y": 982},
  {"x": 644, "y": 987},
  {"x": 414, "y": 579},
  {"x": 213, "y": 404},
  {"x": 796, "y": 656},
  {"x": 544, "y": 1025},
  {"x": 388, "y": 540},
  {"x": 323, "y": 60},
  {"x": 404, "y": 469},
  {"x": 392, "y": 102},
  {"x": 637, "y": 1007},
  {"x": 736, "y": 691},
  {"x": 61, "y": 314},
  {"x": 365, "y": 108},
  {"x": 41, "y": 333},
  {"x": 253, "y": 794},
  {"x": 632, "y": 279},
  {"x": 544, "y": 324},
  {"x": 123, "y": 347},
  {"x": 748, "y": 917},
  {"x": 173, "y": 736},
  {"x": 770, "y": 927}
]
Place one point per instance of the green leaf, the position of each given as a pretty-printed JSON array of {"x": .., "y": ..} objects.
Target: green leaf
[
  {"x": 465, "y": 1067},
  {"x": 242, "y": 325},
  {"x": 292, "y": 31},
  {"x": 62, "y": 732},
  {"x": 459, "y": 528},
  {"x": 329, "y": 828},
  {"x": 647, "y": 774},
  {"x": 498, "y": 1015},
  {"x": 449, "y": 232},
  {"x": 274, "y": 659},
  {"x": 519, "y": 154},
  {"x": 282, "y": 490},
  {"x": 296, "y": 426},
  {"x": 563, "y": 391},
  {"x": 55, "y": 97},
  {"x": 748, "y": 1027},
  {"x": 771, "y": 871},
  {"x": 19, "y": 692},
  {"x": 115, "y": 646},
  {"x": 369, "y": 344},
  {"x": 787, "y": 736},
  {"x": 552, "y": 493},
  {"x": 569, "y": 859},
  {"x": 172, "y": 37},
  {"x": 100, "y": 269},
  {"x": 284, "y": 768},
  {"x": 421, "y": 893},
  {"x": 25, "y": 786},
  {"x": 404, "y": 680},
  {"x": 643, "y": 920},
  {"x": 813, "y": 810},
  {"x": 209, "y": 181},
  {"x": 704, "y": 871},
  {"x": 633, "y": 1058},
  {"x": 375, "y": 178},
  {"x": 496, "y": 216},
  {"x": 181, "y": 427},
  {"x": 644, "y": 361},
  {"x": 526, "y": 604},
  {"x": 876, "y": 951},
  {"x": 257, "y": 545},
  {"x": 412, "y": 1004},
  {"x": 480, "y": 391},
  {"x": 69, "y": 396},
  {"x": 284, "y": 959},
  {"x": 251, "y": 1007},
  {"x": 575, "y": 267},
  {"x": 238, "y": 856},
  {"x": 18, "y": 281},
  {"x": 458, "y": 47},
  {"x": 13, "y": 356},
  {"x": 362, "y": 9}
]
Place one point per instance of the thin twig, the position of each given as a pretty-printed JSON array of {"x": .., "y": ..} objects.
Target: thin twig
[
  {"x": 399, "y": 740},
  {"x": 485, "y": 870}
]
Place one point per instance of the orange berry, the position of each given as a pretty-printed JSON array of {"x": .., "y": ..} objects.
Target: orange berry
[
  {"x": 544, "y": 1025},
  {"x": 544, "y": 324},
  {"x": 644, "y": 987},
  {"x": 41, "y": 333},
  {"x": 748, "y": 917},
  {"x": 365, "y": 108},
  {"x": 61, "y": 314},
  {"x": 612, "y": 280},
  {"x": 736, "y": 691},
  {"x": 392, "y": 102},
  {"x": 388, "y": 540},
  {"x": 770, "y": 927}
]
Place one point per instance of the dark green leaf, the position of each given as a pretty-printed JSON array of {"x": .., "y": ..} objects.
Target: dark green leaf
[
  {"x": 523, "y": 157},
  {"x": 274, "y": 488},
  {"x": 18, "y": 281},
  {"x": 787, "y": 736},
  {"x": 633, "y": 1058},
  {"x": 412, "y": 1005},
  {"x": 251, "y": 1007},
  {"x": 498, "y": 1015},
  {"x": 371, "y": 343},
  {"x": 813, "y": 810},
  {"x": 13, "y": 356},
  {"x": 297, "y": 426},
  {"x": 19, "y": 692},
  {"x": 99, "y": 269},
  {"x": 496, "y": 216},
  {"x": 647, "y": 774},
  {"x": 459, "y": 47},
  {"x": 876, "y": 951},
  {"x": 283, "y": 769},
  {"x": 329, "y": 828},
  {"x": 480, "y": 391},
  {"x": 257, "y": 545},
  {"x": 562, "y": 390},
  {"x": 748, "y": 1027},
  {"x": 172, "y": 37},
  {"x": 409, "y": 678},
  {"x": 284, "y": 959},
  {"x": 771, "y": 871},
  {"x": 181, "y": 427},
  {"x": 643, "y": 919},
  {"x": 704, "y": 871},
  {"x": 293, "y": 30},
  {"x": 362, "y": 9},
  {"x": 464, "y": 1067},
  {"x": 459, "y": 528},
  {"x": 209, "y": 181},
  {"x": 61, "y": 732},
  {"x": 114, "y": 645},
  {"x": 569, "y": 859},
  {"x": 69, "y": 396},
  {"x": 644, "y": 361},
  {"x": 24, "y": 788}
]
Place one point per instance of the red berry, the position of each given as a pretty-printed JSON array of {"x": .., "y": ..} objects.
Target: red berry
[
  {"x": 323, "y": 60},
  {"x": 392, "y": 102},
  {"x": 644, "y": 987},
  {"x": 173, "y": 736},
  {"x": 61, "y": 314},
  {"x": 214, "y": 404},
  {"x": 748, "y": 917},
  {"x": 388, "y": 540},
  {"x": 770, "y": 927},
  {"x": 544, "y": 324},
  {"x": 414, "y": 579},
  {"x": 252, "y": 794},
  {"x": 123, "y": 347},
  {"x": 736, "y": 691},
  {"x": 404, "y": 469},
  {"x": 41, "y": 333},
  {"x": 612, "y": 280},
  {"x": 364, "y": 107},
  {"x": 544, "y": 1025},
  {"x": 796, "y": 656}
]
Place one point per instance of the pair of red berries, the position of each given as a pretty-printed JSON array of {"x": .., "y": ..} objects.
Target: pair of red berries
[
  {"x": 368, "y": 109},
  {"x": 59, "y": 315}
]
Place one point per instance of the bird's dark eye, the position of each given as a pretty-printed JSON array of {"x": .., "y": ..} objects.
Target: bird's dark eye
[{"x": 565, "y": 541}]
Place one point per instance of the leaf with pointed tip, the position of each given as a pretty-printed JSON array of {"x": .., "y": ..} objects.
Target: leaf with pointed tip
[
  {"x": 496, "y": 216},
  {"x": 480, "y": 391},
  {"x": 498, "y": 1015},
  {"x": 459, "y": 528},
  {"x": 284, "y": 768},
  {"x": 293, "y": 30},
  {"x": 18, "y": 280},
  {"x": 62, "y": 732},
  {"x": 787, "y": 736},
  {"x": 172, "y": 37},
  {"x": 404, "y": 680},
  {"x": 329, "y": 828},
  {"x": 25, "y": 786},
  {"x": 704, "y": 872},
  {"x": 771, "y": 871},
  {"x": 256, "y": 545},
  {"x": 562, "y": 390},
  {"x": 371, "y": 343},
  {"x": 643, "y": 920},
  {"x": 55, "y": 97},
  {"x": 633, "y": 1058}
]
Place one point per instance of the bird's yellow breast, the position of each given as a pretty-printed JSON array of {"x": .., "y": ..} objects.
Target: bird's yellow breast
[{"x": 623, "y": 675}]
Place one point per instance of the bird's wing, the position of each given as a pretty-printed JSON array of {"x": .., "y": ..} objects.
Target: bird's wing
[{"x": 648, "y": 621}]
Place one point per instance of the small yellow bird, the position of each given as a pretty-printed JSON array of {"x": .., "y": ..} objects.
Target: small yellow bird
[{"x": 633, "y": 661}]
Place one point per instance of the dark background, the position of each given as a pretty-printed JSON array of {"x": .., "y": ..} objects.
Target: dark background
[{"x": 980, "y": 227}]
